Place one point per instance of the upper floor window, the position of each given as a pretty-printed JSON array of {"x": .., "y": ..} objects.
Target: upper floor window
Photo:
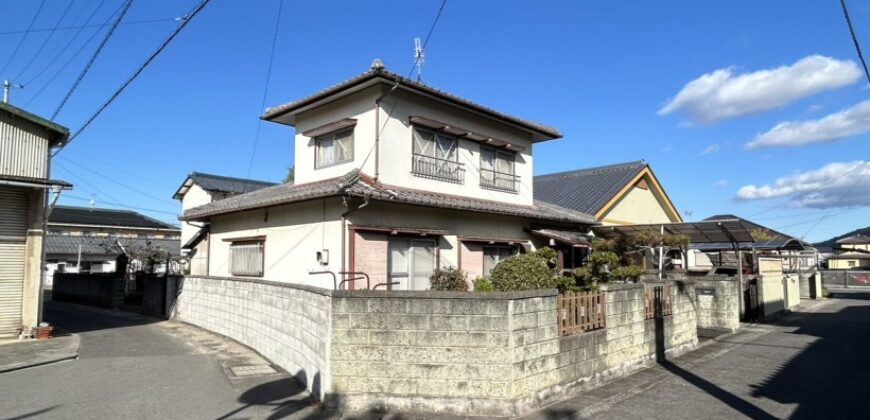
[
  {"x": 497, "y": 170},
  {"x": 435, "y": 156},
  {"x": 333, "y": 148}
]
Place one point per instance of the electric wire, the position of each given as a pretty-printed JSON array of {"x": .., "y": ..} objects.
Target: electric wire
[
  {"x": 187, "y": 19},
  {"x": 93, "y": 58},
  {"x": 840, "y": 200},
  {"x": 44, "y": 42},
  {"x": 854, "y": 38},
  {"x": 23, "y": 37},
  {"x": 96, "y": 25},
  {"x": 785, "y": 203},
  {"x": 116, "y": 182}
]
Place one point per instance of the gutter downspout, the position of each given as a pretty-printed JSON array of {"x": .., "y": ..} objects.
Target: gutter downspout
[
  {"x": 344, "y": 228},
  {"x": 42, "y": 267}
]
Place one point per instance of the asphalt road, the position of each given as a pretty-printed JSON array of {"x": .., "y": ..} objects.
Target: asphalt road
[
  {"x": 131, "y": 367},
  {"x": 814, "y": 365}
]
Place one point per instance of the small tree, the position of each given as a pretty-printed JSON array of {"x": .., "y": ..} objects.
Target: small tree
[
  {"x": 535, "y": 270},
  {"x": 291, "y": 175},
  {"x": 449, "y": 279}
]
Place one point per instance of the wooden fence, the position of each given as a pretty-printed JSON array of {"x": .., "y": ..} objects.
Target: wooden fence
[
  {"x": 649, "y": 300},
  {"x": 580, "y": 312}
]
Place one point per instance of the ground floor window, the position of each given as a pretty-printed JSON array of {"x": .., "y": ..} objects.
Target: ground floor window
[
  {"x": 411, "y": 262},
  {"x": 492, "y": 255},
  {"x": 246, "y": 258}
]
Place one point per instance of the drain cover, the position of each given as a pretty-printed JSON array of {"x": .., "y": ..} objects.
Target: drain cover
[{"x": 252, "y": 370}]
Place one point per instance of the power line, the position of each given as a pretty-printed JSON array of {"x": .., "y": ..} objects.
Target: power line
[
  {"x": 96, "y": 54},
  {"x": 854, "y": 38},
  {"x": 21, "y": 41},
  {"x": 840, "y": 200},
  {"x": 136, "y": 74},
  {"x": 96, "y": 25},
  {"x": 130, "y": 173},
  {"x": 114, "y": 181},
  {"x": 266, "y": 86},
  {"x": 783, "y": 204},
  {"x": 126, "y": 206},
  {"x": 45, "y": 41}
]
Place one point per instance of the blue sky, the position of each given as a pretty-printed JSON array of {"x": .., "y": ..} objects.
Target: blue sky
[{"x": 599, "y": 71}]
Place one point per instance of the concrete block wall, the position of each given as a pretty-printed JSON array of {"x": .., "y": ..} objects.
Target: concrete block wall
[
  {"x": 287, "y": 323},
  {"x": 791, "y": 282},
  {"x": 720, "y": 311}
]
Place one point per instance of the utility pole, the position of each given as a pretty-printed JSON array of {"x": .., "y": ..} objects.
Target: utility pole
[{"x": 7, "y": 86}]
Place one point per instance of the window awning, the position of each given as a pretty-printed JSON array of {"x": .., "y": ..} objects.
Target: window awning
[
  {"x": 572, "y": 238},
  {"x": 399, "y": 230},
  {"x": 493, "y": 241},
  {"x": 464, "y": 133}
]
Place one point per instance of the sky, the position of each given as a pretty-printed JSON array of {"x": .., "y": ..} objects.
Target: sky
[{"x": 745, "y": 107}]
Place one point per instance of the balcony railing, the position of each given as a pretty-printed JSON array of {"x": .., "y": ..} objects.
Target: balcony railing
[
  {"x": 436, "y": 168},
  {"x": 500, "y": 181}
]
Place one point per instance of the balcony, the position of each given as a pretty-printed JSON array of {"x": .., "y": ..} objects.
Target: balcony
[
  {"x": 436, "y": 168},
  {"x": 499, "y": 181}
]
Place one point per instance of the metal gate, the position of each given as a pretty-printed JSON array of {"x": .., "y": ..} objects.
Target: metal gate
[
  {"x": 752, "y": 304},
  {"x": 13, "y": 235}
]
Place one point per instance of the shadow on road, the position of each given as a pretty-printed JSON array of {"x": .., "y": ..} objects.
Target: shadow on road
[
  {"x": 33, "y": 414},
  {"x": 276, "y": 394},
  {"x": 76, "y": 318}
]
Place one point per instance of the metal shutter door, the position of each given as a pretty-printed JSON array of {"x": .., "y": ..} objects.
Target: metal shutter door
[{"x": 13, "y": 234}]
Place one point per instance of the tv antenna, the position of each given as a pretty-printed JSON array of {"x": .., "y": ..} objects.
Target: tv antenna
[
  {"x": 7, "y": 87},
  {"x": 419, "y": 57},
  {"x": 689, "y": 214}
]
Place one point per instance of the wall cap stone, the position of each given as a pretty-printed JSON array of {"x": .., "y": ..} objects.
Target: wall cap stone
[
  {"x": 613, "y": 287},
  {"x": 305, "y": 287},
  {"x": 431, "y": 294}
]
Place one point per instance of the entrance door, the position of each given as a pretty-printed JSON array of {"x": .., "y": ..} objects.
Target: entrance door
[
  {"x": 411, "y": 262},
  {"x": 13, "y": 233}
]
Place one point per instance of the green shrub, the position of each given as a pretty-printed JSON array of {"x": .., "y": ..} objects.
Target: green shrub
[
  {"x": 626, "y": 272},
  {"x": 483, "y": 284},
  {"x": 535, "y": 270},
  {"x": 450, "y": 278}
]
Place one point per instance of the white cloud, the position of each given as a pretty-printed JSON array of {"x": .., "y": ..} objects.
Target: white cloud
[
  {"x": 722, "y": 183},
  {"x": 837, "y": 184},
  {"x": 668, "y": 148},
  {"x": 713, "y": 148},
  {"x": 722, "y": 94},
  {"x": 845, "y": 123}
]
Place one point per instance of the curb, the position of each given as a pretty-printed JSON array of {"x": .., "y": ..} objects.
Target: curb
[{"x": 48, "y": 360}]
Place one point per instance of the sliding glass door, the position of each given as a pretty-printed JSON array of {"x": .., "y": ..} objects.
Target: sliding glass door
[{"x": 411, "y": 262}]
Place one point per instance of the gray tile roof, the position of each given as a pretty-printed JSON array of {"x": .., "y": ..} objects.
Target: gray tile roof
[
  {"x": 585, "y": 190},
  {"x": 104, "y": 217},
  {"x": 57, "y": 245},
  {"x": 393, "y": 78},
  {"x": 356, "y": 184},
  {"x": 222, "y": 184}
]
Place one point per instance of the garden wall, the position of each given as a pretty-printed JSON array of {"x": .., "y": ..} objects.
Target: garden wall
[
  {"x": 718, "y": 303},
  {"x": 287, "y": 323},
  {"x": 98, "y": 289}
]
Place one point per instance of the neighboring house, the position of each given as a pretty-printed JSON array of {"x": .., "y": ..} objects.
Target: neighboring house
[
  {"x": 621, "y": 194},
  {"x": 85, "y": 239},
  {"x": 851, "y": 252},
  {"x": 796, "y": 255},
  {"x": 199, "y": 189},
  {"x": 393, "y": 179},
  {"x": 26, "y": 141}
]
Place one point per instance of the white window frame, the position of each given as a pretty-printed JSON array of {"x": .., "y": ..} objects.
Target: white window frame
[
  {"x": 256, "y": 250},
  {"x": 334, "y": 140}
]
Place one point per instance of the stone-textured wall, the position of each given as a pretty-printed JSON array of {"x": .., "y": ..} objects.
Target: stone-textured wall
[
  {"x": 721, "y": 310},
  {"x": 287, "y": 323},
  {"x": 488, "y": 354}
]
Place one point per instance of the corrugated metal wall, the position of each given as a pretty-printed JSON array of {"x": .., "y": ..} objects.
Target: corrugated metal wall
[
  {"x": 13, "y": 235},
  {"x": 23, "y": 150}
]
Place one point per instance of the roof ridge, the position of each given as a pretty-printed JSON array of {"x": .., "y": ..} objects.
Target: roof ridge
[
  {"x": 232, "y": 178},
  {"x": 602, "y": 168},
  {"x": 64, "y": 206}
]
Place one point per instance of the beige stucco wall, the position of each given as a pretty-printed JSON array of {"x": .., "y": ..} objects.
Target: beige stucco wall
[
  {"x": 195, "y": 197},
  {"x": 859, "y": 247},
  {"x": 639, "y": 206},
  {"x": 396, "y": 144},
  {"x": 294, "y": 233},
  {"x": 771, "y": 286},
  {"x": 33, "y": 259},
  {"x": 844, "y": 264}
]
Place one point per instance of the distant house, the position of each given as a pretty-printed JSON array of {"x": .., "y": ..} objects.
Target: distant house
[
  {"x": 851, "y": 252},
  {"x": 85, "y": 239},
  {"x": 394, "y": 179},
  {"x": 26, "y": 141},
  {"x": 199, "y": 189},
  {"x": 621, "y": 194}
]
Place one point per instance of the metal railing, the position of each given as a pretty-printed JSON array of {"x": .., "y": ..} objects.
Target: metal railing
[
  {"x": 437, "y": 168},
  {"x": 500, "y": 181}
]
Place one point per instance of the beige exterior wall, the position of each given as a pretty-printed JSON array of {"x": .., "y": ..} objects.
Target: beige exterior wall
[
  {"x": 294, "y": 233},
  {"x": 396, "y": 143},
  {"x": 24, "y": 150},
  {"x": 33, "y": 259},
  {"x": 844, "y": 264},
  {"x": 857, "y": 247},
  {"x": 639, "y": 206},
  {"x": 195, "y": 197}
]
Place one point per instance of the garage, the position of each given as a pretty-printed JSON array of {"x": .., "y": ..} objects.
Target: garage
[{"x": 13, "y": 235}]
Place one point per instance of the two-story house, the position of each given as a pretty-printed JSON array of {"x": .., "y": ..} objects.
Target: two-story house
[
  {"x": 199, "y": 189},
  {"x": 393, "y": 179},
  {"x": 852, "y": 253},
  {"x": 26, "y": 141}
]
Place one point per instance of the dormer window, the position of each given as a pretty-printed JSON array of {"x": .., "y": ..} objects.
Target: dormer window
[
  {"x": 435, "y": 156},
  {"x": 333, "y": 148},
  {"x": 497, "y": 170}
]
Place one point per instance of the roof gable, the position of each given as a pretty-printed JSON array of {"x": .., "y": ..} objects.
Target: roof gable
[
  {"x": 586, "y": 190},
  {"x": 220, "y": 183},
  {"x": 57, "y": 134}
]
